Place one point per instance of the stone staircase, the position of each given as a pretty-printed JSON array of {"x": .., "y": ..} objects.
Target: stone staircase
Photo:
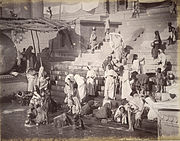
[
  {"x": 142, "y": 45},
  {"x": 66, "y": 61}
]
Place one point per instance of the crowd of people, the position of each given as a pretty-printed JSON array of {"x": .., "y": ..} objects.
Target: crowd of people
[
  {"x": 121, "y": 83},
  {"x": 125, "y": 87}
]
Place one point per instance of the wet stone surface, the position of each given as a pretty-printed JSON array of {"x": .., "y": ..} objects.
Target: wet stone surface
[{"x": 13, "y": 117}]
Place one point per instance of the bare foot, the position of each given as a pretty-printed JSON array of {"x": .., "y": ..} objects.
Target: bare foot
[{"x": 130, "y": 130}]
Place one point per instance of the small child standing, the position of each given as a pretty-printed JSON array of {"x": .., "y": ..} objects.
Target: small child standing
[{"x": 160, "y": 80}]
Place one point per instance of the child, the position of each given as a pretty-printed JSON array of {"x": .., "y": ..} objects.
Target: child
[
  {"x": 170, "y": 78},
  {"x": 172, "y": 34},
  {"x": 121, "y": 115},
  {"x": 159, "y": 80}
]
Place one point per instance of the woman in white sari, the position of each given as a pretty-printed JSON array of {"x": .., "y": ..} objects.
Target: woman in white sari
[
  {"x": 126, "y": 88},
  {"x": 81, "y": 86},
  {"x": 32, "y": 78},
  {"x": 42, "y": 82},
  {"x": 117, "y": 45}
]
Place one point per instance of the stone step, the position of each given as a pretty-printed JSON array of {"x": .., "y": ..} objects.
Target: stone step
[
  {"x": 90, "y": 55},
  {"x": 62, "y": 58},
  {"x": 83, "y": 73},
  {"x": 72, "y": 51},
  {"x": 152, "y": 20},
  {"x": 59, "y": 54}
]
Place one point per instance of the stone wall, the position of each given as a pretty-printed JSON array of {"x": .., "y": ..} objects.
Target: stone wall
[
  {"x": 23, "y": 9},
  {"x": 85, "y": 28}
]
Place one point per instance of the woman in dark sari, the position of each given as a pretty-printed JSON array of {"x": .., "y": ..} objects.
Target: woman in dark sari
[{"x": 156, "y": 44}]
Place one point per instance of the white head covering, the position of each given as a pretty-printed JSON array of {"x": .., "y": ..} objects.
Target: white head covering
[
  {"x": 79, "y": 79},
  {"x": 69, "y": 76}
]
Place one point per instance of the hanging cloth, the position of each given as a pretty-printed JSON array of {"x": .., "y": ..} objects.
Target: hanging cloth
[
  {"x": 89, "y": 5},
  {"x": 71, "y": 8}
]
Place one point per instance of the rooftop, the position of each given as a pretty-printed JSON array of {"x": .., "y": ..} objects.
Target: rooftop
[{"x": 41, "y": 25}]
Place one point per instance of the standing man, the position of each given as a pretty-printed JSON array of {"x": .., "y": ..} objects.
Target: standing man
[
  {"x": 91, "y": 83},
  {"x": 110, "y": 84},
  {"x": 136, "y": 9},
  {"x": 107, "y": 62},
  {"x": 107, "y": 30},
  {"x": 23, "y": 61},
  {"x": 162, "y": 60},
  {"x": 30, "y": 58},
  {"x": 50, "y": 12},
  {"x": 172, "y": 34},
  {"x": 93, "y": 40}
]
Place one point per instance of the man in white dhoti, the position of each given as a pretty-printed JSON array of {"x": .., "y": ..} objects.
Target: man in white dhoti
[
  {"x": 110, "y": 83},
  {"x": 81, "y": 86},
  {"x": 91, "y": 83},
  {"x": 126, "y": 88}
]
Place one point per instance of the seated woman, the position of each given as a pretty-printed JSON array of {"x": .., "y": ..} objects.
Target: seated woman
[
  {"x": 81, "y": 87},
  {"x": 121, "y": 115}
]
